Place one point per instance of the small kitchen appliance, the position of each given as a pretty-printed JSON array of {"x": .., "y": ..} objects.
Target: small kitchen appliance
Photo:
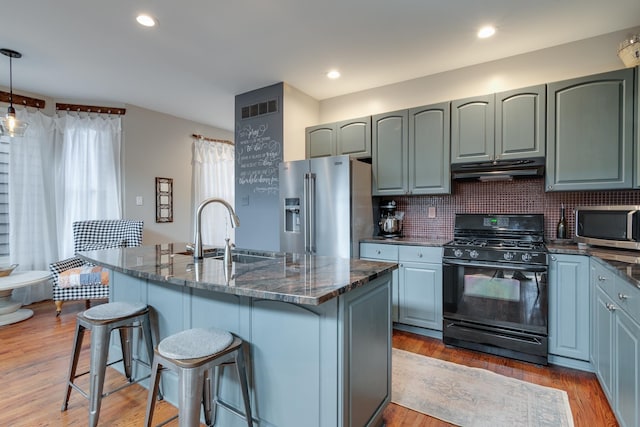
[
  {"x": 390, "y": 222},
  {"x": 495, "y": 296}
]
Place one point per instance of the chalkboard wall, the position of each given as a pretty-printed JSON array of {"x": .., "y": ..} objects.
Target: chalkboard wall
[{"x": 258, "y": 152}]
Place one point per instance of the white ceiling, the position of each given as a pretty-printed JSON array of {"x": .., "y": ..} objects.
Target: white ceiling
[{"x": 204, "y": 52}]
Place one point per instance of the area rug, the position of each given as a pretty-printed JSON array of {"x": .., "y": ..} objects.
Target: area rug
[{"x": 473, "y": 397}]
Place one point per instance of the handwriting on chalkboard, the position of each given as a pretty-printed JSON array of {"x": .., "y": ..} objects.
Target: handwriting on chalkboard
[{"x": 258, "y": 155}]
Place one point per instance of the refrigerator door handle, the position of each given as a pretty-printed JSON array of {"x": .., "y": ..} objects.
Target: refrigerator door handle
[
  {"x": 305, "y": 204},
  {"x": 312, "y": 213}
]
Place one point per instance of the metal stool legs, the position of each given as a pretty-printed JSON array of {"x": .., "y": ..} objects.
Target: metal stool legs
[
  {"x": 100, "y": 339},
  {"x": 198, "y": 383}
]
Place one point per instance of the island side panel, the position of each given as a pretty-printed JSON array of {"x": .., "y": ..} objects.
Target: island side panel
[{"x": 366, "y": 367}]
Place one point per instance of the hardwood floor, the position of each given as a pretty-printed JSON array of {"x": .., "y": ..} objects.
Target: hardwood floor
[{"x": 34, "y": 359}]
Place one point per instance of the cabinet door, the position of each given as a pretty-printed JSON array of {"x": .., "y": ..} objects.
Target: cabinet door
[
  {"x": 429, "y": 147},
  {"x": 569, "y": 306},
  {"x": 472, "y": 129},
  {"x": 604, "y": 340},
  {"x": 589, "y": 132},
  {"x": 421, "y": 295},
  {"x": 389, "y": 156},
  {"x": 320, "y": 141},
  {"x": 521, "y": 123},
  {"x": 384, "y": 252},
  {"x": 354, "y": 137},
  {"x": 627, "y": 370}
]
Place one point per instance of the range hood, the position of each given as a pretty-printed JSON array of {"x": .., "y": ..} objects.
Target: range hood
[{"x": 498, "y": 170}]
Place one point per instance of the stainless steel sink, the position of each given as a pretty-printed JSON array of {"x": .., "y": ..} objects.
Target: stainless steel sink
[{"x": 240, "y": 256}]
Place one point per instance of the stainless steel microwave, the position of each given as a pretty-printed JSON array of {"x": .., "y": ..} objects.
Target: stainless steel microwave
[{"x": 614, "y": 226}]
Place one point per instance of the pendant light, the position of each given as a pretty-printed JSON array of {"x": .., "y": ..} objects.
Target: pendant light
[{"x": 9, "y": 124}]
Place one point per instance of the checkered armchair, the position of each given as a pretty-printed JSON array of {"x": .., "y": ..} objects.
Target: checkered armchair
[{"x": 89, "y": 236}]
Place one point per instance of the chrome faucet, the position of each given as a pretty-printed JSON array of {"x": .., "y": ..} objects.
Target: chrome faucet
[{"x": 235, "y": 222}]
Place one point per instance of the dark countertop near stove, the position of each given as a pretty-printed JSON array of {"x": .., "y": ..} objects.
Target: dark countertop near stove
[
  {"x": 625, "y": 263},
  {"x": 413, "y": 241}
]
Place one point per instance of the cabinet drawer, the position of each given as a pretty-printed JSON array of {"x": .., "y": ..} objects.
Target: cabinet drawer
[
  {"x": 379, "y": 251},
  {"x": 627, "y": 296},
  {"x": 421, "y": 254}
]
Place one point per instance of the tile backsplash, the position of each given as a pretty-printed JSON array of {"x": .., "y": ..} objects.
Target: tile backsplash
[{"x": 518, "y": 196}]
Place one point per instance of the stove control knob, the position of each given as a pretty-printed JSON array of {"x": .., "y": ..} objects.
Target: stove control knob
[
  {"x": 526, "y": 257},
  {"x": 508, "y": 256},
  {"x": 457, "y": 253},
  {"x": 473, "y": 253}
]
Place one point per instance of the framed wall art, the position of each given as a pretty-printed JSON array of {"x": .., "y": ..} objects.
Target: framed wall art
[{"x": 164, "y": 200}]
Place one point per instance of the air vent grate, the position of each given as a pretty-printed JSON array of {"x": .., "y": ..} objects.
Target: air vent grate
[{"x": 266, "y": 107}]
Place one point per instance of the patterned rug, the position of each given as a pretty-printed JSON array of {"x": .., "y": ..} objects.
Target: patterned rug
[{"x": 473, "y": 397}]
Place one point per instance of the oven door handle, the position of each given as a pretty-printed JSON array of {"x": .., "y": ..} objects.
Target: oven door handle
[{"x": 519, "y": 267}]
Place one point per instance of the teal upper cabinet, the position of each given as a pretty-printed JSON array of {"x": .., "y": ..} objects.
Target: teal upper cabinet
[
  {"x": 472, "y": 129},
  {"x": 352, "y": 137},
  {"x": 590, "y": 132},
  {"x": 504, "y": 126},
  {"x": 429, "y": 148},
  {"x": 390, "y": 150},
  {"x": 320, "y": 140},
  {"x": 520, "y": 123},
  {"x": 410, "y": 151}
]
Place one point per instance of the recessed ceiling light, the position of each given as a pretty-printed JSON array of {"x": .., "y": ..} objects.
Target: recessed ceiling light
[
  {"x": 146, "y": 20},
  {"x": 486, "y": 32},
  {"x": 333, "y": 74}
]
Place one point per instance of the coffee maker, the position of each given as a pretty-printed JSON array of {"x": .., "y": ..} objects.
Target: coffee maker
[{"x": 390, "y": 222}]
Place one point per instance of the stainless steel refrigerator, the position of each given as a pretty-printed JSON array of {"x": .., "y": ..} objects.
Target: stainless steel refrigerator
[{"x": 325, "y": 206}]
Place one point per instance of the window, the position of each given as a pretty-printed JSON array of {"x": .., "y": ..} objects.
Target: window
[{"x": 4, "y": 198}]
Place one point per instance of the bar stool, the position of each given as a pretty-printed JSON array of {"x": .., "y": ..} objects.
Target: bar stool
[
  {"x": 101, "y": 320},
  {"x": 198, "y": 355}
]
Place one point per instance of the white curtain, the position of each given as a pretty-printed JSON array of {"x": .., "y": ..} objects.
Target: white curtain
[
  {"x": 32, "y": 230},
  {"x": 88, "y": 173},
  {"x": 213, "y": 176}
]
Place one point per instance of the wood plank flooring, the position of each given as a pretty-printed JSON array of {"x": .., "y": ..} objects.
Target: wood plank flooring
[{"x": 34, "y": 359}]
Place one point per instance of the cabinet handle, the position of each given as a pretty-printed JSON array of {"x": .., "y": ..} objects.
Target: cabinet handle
[
  {"x": 378, "y": 251},
  {"x": 622, "y": 297},
  {"x": 602, "y": 278},
  {"x": 419, "y": 254},
  {"x": 610, "y": 307},
  {"x": 550, "y": 187},
  {"x": 553, "y": 258}
]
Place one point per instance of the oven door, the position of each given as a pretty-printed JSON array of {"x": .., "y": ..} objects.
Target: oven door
[{"x": 499, "y": 308}]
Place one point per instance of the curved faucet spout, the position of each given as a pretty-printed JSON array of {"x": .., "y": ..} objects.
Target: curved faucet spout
[{"x": 235, "y": 222}]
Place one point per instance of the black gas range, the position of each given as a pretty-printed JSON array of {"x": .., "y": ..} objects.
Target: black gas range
[{"x": 495, "y": 285}]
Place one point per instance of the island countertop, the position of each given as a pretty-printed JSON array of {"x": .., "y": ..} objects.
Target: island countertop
[{"x": 296, "y": 278}]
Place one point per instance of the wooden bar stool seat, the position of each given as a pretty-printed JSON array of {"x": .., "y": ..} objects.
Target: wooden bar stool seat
[
  {"x": 101, "y": 320},
  {"x": 197, "y": 356}
]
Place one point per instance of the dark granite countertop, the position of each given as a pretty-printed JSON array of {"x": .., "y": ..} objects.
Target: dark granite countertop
[
  {"x": 296, "y": 278},
  {"x": 625, "y": 263},
  {"x": 413, "y": 241}
]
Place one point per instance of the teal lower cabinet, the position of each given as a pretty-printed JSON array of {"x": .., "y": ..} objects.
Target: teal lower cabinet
[
  {"x": 420, "y": 287},
  {"x": 384, "y": 252},
  {"x": 417, "y": 285},
  {"x": 616, "y": 342},
  {"x": 569, "y": 303}
]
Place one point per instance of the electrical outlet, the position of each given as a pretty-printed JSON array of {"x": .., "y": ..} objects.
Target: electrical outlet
[
  {"x": 431, "y": 212},
  {"x": 138, "y": 200}
]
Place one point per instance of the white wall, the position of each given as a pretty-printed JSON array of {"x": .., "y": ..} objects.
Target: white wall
[
  {"x": 159, "y": 145},
  {"x": 300, "y": 111},
  {"x": 581, "y": 58}
]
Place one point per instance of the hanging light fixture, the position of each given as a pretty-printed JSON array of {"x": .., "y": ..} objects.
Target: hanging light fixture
[
  {"x": 629, "y": 51},
  {"x": 9, "y": 124}
]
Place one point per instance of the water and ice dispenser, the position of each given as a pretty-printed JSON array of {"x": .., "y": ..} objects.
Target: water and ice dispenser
[{"x": 292, "y": 215}]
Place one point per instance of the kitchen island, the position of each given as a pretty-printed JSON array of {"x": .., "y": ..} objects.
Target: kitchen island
[{"x": 318, "y": 328}]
